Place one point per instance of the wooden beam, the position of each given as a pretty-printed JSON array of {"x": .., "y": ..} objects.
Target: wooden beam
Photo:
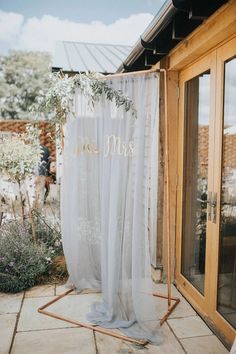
[
  {"x": 193, "y": 15},
  {"x": 218, "y": 28},
  {"x": 199, "y": 11},
  {"x": 151, "y": 59}
]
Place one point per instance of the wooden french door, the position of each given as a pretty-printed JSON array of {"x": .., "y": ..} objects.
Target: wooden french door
[{"x": 206, "y": 195}]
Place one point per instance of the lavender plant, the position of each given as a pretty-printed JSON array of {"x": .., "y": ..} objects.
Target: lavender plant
[{"x": 21, "y": 260}]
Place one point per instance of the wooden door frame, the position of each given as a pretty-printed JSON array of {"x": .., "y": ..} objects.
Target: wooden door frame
[
  {"x": 205, "y": 305},
  {"x": 223, "y": 53},
  {"x": 188, "y": 290}
]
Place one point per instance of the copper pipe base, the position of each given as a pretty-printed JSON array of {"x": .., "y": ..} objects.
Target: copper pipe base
[
  {"x": 101, "y": 329},
  {"x": 170, "y": 307}
]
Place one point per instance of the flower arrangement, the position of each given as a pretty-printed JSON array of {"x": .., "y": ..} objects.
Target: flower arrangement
[{"x": 57, "y": 103}]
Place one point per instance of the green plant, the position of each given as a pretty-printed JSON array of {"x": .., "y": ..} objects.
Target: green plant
[
  {"x": 21, "y": 260},
  {"x": 25, "y": 76},
  {"x": 20, "y": 156},
  {"x": 47, "y": 234},
  {"x": 57, "y": 103}
]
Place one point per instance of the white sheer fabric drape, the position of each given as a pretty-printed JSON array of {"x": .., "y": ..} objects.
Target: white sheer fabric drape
[{"x": 104, "y": 205}]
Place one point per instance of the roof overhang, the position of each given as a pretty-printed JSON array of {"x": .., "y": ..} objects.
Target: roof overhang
[{"x": 174, "y": 22}]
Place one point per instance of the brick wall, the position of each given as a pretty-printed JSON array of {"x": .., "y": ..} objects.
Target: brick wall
[{"x": 229, "y": 152}]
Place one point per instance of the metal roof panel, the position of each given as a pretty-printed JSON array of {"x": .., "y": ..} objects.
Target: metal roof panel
[
  {"x": 80, "y": 57},
  {"x": 60, "y": 59}
]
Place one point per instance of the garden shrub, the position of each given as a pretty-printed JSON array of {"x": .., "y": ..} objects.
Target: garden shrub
[
  {"x": 48, "y": 234},
  {"x": 21, "y": 260}
]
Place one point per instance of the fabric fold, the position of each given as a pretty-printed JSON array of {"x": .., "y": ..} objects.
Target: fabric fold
[{"x": 105, "y": 206}]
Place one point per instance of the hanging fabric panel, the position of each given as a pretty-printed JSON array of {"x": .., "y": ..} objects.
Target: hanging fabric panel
[{"x": 105, "y": 205}]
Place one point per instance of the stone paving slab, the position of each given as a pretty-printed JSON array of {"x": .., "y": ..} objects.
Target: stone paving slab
[
  {"x": 41, "y": 290},
  {"x": 162, "y": 289},
  {"x": 10, "y": 303},
  {"x": 60, "y": 289},
  {"x": 7, "y": 326},
  {"x": 109, "y": 345},
  {"x": 60, "y": 341},
  {"x": 183, "y": 309},
  {"x": 31, "y": 320},
  {"x": 189, "y": 327},
  {"x": 74, "y": 307},
  {"x": 185, "y": 332},
  {"x": 204, "y": 345}
]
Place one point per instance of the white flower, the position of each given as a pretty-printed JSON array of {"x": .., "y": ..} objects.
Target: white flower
[{"x": 19, "y": 155}]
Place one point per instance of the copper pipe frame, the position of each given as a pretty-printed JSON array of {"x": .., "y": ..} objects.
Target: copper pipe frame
[
  {"x": 101, "y": 329},
  {"x": 168, "y": 296},
  {"x": 85, "y": 325},
  {"x": 170, "y": 307}
]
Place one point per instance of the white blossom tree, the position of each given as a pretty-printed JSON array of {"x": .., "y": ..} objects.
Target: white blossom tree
[
  {"x": 20, "y": 156},
  {"x": 24, "y": 78}
]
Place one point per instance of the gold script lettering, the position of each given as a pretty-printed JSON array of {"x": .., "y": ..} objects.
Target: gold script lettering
[
  {"x": 115, "y": 146},
  {"x": 86, "y": 146}
]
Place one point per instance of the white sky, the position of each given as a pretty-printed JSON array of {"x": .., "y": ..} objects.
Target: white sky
[{"x": 41, "y": 33}]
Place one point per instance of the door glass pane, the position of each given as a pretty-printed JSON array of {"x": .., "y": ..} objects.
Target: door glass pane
[
  {"x": 227, "y": 250},
  {"x": 195, "y": 186}
]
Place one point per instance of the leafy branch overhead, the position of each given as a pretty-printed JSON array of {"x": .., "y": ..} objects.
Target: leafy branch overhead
[
  {"x": 28, "y": 89},
  {"x": 57, "y": 103}
]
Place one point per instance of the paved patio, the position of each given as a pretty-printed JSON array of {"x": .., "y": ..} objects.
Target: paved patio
[{"x": 24, "y": 331}]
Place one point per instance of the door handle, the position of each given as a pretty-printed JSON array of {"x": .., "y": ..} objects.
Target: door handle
[
  {"x": 214, "y": 205},
  {"x": 210, "y": 202},
  {"x": 211, "y": 206}
]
